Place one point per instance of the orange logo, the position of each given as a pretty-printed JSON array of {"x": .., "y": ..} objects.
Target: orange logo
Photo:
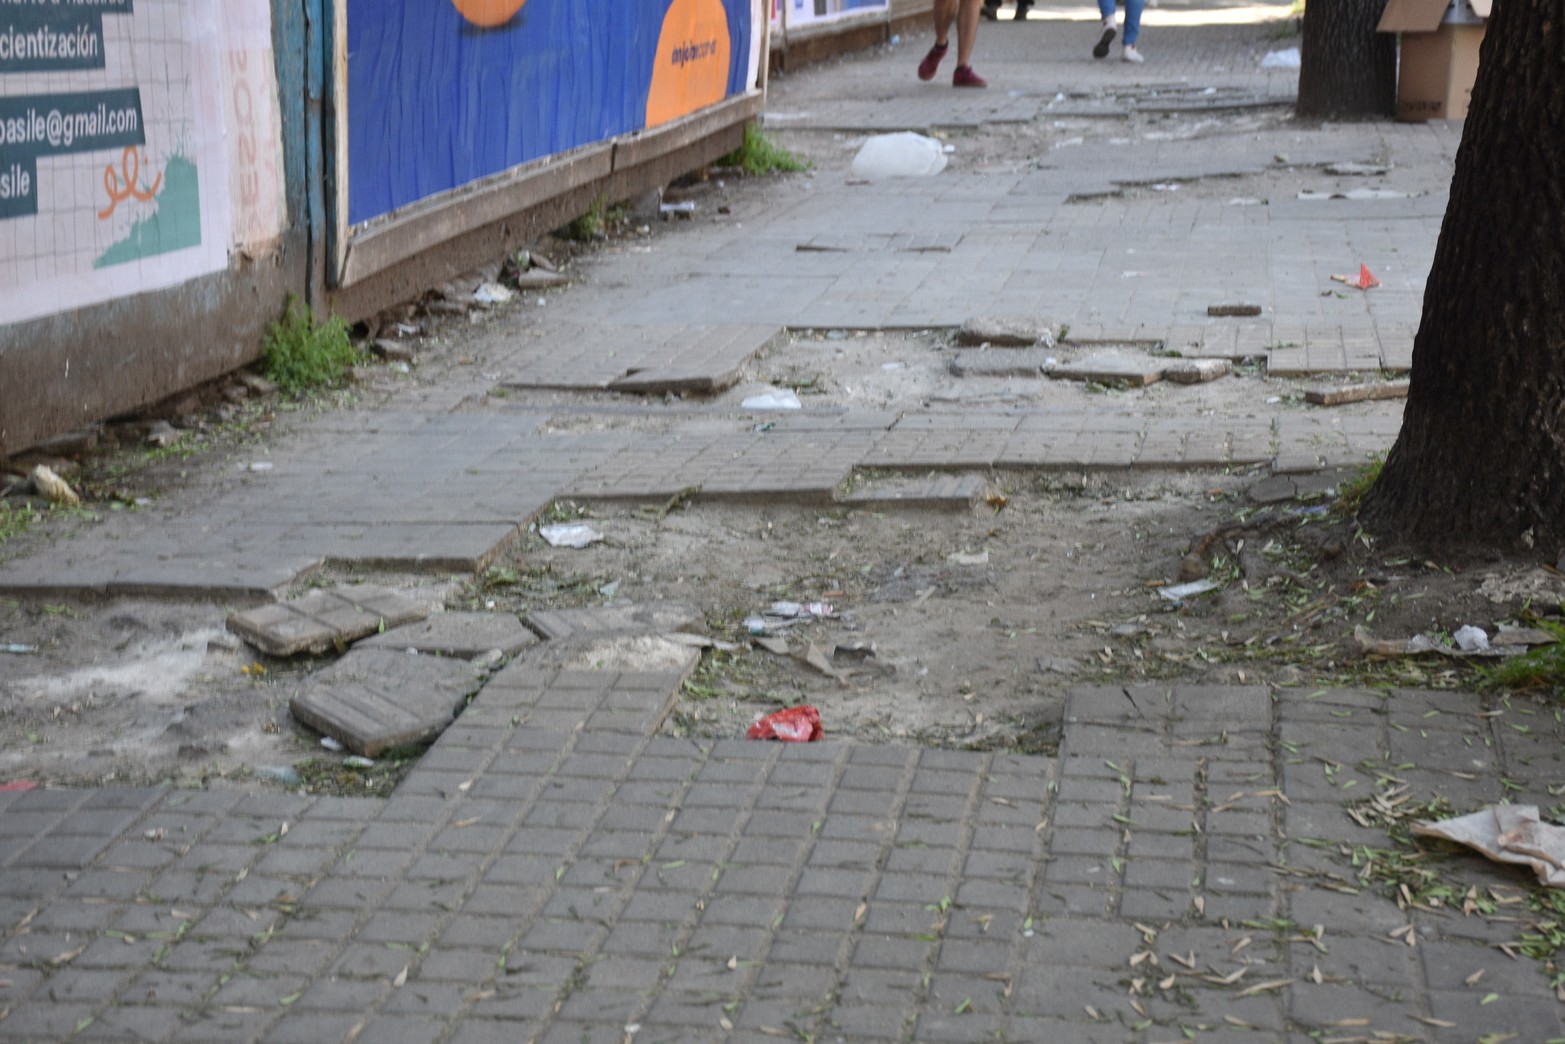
[
  {"x": 691, "y": 69},
  {"x": 488, "y": 13}
]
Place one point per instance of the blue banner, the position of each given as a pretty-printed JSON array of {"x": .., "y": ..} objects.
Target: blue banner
[{"x": 442, "y": 93}]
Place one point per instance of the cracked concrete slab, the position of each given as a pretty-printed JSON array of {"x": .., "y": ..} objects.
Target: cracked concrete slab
[
  {"x": 463, "y": 635},
  {"x": 322, "y": 619},
  {"x": 580, "y": 625},
  {"x": 375, "y": 699},
  {"x": 1112, "y": 368}
]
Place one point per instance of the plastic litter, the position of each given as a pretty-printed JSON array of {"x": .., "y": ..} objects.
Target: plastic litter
[
  {"x": 801, "y": 610},
  {"x": 53, "y": 488},
  {"x": 17, "y": 649},
  {"x": 900, "y": 155},
  {"x": 1285, "y": 59},
  {"x": 331, "y": 744},
  {"x": 358, "y": 762},
  {"x": 493, "y": 293},
  {"x": 1180, "y": 592},
  {"x": 1418, "y": 645},
  {"x": 773, "y": 399},
  {"x": 1471, "y": 639},
  {"x": 18, "y": 784},
  {"x": 570, "y": 534},
  {"x": 801, "y": 724},
  {"x": 1508, "y": 834}
]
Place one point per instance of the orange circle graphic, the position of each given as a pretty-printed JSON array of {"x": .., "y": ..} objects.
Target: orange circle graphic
[
  {"x": 488, "y": 13},
  {"x": 691, "y": 68}
]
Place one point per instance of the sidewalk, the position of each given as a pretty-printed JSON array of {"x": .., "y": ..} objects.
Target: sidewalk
[{"x": 555, "y": 870}]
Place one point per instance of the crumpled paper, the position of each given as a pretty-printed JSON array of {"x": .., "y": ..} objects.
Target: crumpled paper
[{"x": 1508, "y": 834}]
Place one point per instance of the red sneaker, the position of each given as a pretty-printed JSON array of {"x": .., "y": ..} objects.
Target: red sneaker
[
  {"x": 965, "y": 77},
  {"x": 931, "y": 62}
]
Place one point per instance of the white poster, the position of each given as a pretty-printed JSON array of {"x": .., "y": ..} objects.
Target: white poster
[
  {"x": 114, "y": 172},
  {"x": 799, "y": 13}
]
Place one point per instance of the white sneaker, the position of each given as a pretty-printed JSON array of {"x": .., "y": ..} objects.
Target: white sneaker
[
  {"x": 1132, "y": 55},
  {"x": 1101, "y": 49}
]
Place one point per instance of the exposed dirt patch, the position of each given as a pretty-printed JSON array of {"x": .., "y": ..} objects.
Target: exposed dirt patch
[{"x": 959, "y": 628}]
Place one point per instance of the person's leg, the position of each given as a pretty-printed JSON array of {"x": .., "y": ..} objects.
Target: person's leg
[
  {"x": 966, "y": 30},
  {"x": 944, "y": 15},
  {"x": 1133, "y": 9},
  {"x": 1106, "y": 31}
]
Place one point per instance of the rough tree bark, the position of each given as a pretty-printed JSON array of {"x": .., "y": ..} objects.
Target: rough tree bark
[
  {"x": 1480, "y": 461},
  {"x": 1348, "y": 69}
]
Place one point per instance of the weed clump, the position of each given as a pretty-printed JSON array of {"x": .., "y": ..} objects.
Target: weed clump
[
  {"x": 1350, "y": 495},
  {"x": 301, "y": 355},
  {"x": 1540, "y": 668},
  {"x": 595, "y": 224},
  {"x": 759, "y": 156}
]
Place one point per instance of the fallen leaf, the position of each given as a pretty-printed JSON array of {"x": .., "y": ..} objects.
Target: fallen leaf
[{"x": 1264, "y": 987}]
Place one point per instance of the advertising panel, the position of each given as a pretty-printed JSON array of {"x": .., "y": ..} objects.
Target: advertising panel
[
  {"x": 811, "y": 12},
  {"x": 115, "y": 160},
  {"x": 443, "y": 93}
]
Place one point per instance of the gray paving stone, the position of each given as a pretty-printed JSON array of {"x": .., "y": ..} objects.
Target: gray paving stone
[
  {"x": 1197, "y": 371},
  {"x": 953, "y": 492},
  {"x": 578, "y": 625},
  {"x": 1005, "y": 331},
  {"x": 464, "y": 635},
  {"x": 1003, "y": 362},
  {"x": 1112, "y": 368},
  {"x": 322, "y": 619},
  {"x": 373, "y": 700}
]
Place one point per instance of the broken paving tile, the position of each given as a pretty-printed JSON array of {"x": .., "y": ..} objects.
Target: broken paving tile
[
  {"x": 1112, "y": 368},
  {"x": 1197, "y": 371},
  {"x": 921, "y": 491},
  {"x": 572, "y": 625},
  {"x": 1356, "y": 393},
  {"x": 321, "y": 619},
  {"x": 1005, "y": 332},
  {"x": 1007, "y": 362},
  {"x": 464, "y": 635},
  {"x": 376, "y": 699}
]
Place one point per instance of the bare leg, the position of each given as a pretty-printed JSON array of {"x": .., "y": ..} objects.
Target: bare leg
[
  {"x": 945, "y": 14},
  {"x": 966, "y": 27}
]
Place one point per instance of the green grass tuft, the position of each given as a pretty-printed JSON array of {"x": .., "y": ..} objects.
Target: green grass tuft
[
  {"x": 1543, "y": 667},
  {"x": 1350, "y": 495},
  {"x": 300, "y": 354},
  {"x": 759, "y": 156}
]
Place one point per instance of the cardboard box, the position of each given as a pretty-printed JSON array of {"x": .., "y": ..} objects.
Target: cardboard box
[{"x": 1439, "y": 55}]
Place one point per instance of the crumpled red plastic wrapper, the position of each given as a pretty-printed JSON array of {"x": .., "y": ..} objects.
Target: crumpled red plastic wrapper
[
  {"x": 800, "y": 724},
  {"x": 1363, "y": 281}
]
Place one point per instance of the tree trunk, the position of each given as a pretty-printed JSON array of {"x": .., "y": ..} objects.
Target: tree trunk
[
  {"x": 1348, "y": 70},
  {"x": 1480, "y": 461}
]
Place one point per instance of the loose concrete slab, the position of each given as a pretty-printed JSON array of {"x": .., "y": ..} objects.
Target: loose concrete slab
[
  {"x": 951, "y": 492},
  {"x": 464, "y": 635},
  {"x": 1197, "y": 371},
  {"x": 1002, "y": 362},
  {"x": 1356, "y": 393},
  {"x": 321, "y": 619},
  {"x": 1112, "y": 368},
  {"x": 577, "y": 625},
  {"x": 375, "y": 699},
  {"x": 1005, "y": 331}
]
